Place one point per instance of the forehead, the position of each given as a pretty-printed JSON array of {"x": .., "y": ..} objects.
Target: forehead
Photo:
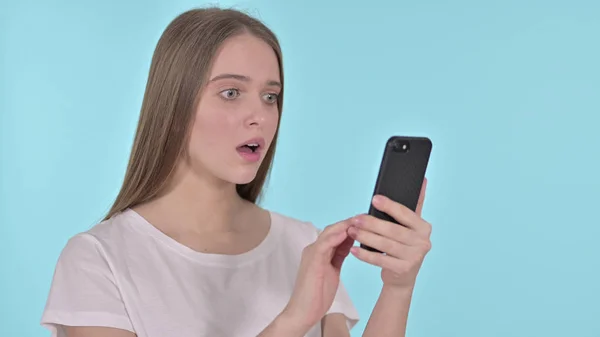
[{"x": 246, "y": 55}]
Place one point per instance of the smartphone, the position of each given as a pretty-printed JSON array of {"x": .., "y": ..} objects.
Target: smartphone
[{"x": 401, "y": 174}]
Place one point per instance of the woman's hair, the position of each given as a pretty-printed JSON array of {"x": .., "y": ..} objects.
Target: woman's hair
[{"x": 180, "y": 67}]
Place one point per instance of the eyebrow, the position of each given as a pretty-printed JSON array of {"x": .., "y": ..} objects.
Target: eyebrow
[{"x": 241, "y": 78}]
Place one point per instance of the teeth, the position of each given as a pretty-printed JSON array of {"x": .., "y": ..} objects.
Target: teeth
[{"x": 253, "y": 144}]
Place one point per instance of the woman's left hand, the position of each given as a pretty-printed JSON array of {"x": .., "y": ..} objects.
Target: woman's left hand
[{"x": 405, "y": 246}]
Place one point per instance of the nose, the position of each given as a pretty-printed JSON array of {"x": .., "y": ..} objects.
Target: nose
[
  {"x": 256, "y": 119},
  {"x": 257, "y": 114}
]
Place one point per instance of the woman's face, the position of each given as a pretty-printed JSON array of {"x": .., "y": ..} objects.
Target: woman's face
[{"x": 237, "y": 115}]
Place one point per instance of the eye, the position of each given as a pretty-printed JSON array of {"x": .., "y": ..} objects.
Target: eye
[
  {"x": 230, "y": 94},
  {"x": 270, "y": 98}
]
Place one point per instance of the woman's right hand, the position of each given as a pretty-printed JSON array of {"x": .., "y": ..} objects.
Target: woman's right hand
[{"x": 318, "y": 276}]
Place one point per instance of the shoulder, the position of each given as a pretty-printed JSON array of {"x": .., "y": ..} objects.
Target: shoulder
[
  {"x": 301, "y": 231},
  {"x": 84, "y": 290},
  {"x": 100, "y": 240},
  {"x": 119, "y": 225}
]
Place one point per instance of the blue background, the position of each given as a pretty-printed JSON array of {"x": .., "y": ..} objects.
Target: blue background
[{"x": 509, "y": 92}]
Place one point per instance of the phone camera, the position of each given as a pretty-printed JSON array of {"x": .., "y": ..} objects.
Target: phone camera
[{"x": 401, "y": 146}]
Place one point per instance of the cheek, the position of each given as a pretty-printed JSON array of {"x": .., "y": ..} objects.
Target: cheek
[
  {"x": 271, "y": 124},
  {"x": 210, "y": 131}
]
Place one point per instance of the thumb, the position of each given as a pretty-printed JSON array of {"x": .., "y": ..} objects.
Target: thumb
[
  {"x": 331, "y": 237},
  {"x": 341, "y": 252}
]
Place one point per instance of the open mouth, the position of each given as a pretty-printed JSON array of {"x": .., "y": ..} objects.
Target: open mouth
[{"x": 249, "y": 148}]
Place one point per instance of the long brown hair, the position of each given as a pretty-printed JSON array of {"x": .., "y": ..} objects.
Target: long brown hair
[{"x": 179, "y": 69}]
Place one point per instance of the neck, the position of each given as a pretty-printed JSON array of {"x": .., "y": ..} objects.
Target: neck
[{"x": 197, "y": 204}]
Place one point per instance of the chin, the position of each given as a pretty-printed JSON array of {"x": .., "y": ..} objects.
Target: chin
[
  {"x": 243, "y": 175},
  {"x": 243, "y": 180}
]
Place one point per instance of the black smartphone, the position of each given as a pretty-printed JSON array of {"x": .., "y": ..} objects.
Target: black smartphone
[{"x": 401, "y": 174}]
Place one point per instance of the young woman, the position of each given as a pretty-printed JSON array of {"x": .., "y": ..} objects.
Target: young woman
[{"x": 185, "y": 250}]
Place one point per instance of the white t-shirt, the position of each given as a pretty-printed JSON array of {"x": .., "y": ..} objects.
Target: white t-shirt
[{"x": 125, "y": 273}]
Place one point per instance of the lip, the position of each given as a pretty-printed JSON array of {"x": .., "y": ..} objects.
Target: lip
[
  {"x": 258, "y": 140},
  {"x": 252, "y": 157}
]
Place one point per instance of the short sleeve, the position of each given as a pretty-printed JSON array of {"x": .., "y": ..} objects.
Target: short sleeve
[
  {"x": 342, "y": 304},
  {"x": 83, "y": 290}
]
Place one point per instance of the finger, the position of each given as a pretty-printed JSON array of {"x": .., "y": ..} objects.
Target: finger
[
  {"x": 385, "y": 228},
  {"x": 342, "y": 251},
  {"x": 377, "y": 259},
  {"x": 334, "y": 229},
  {"x": 331, "y": 231},
  {"x": 332, "y": 236},
  {"x": 419, "y": 210},
  {"x": 344, "y": 248},
  {"x": 402, "y": 214},
  {"x": 381, "y": 243}
]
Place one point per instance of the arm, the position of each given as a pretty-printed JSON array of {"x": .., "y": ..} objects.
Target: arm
[
  {"x": 84, "y": 331},
  {"x": 405, "y": 247},
  {"x": 390, "y": 314},
  {"x": 334, "y": 325},
  {"x": 283, "y": 325}
]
